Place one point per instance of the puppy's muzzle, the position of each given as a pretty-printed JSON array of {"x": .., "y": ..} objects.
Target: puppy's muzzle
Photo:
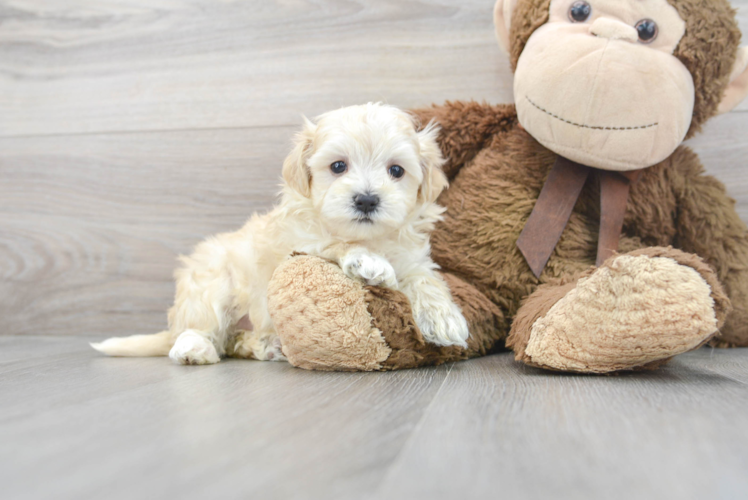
[{"x": 366, "y": 203}]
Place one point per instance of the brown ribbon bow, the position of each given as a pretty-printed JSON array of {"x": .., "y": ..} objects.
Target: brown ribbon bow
[{"x": 556, "y": 202}]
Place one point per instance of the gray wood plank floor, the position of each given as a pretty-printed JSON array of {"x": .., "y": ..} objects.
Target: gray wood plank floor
[{"x": 75, "y": 425}]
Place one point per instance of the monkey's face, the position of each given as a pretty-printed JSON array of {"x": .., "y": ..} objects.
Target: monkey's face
[{"x": 599, "y": 84}]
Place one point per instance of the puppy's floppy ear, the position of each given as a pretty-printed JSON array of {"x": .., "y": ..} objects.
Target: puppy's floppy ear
[
  {"x": 295, "y": 170},
  {"x": 434, "y": 180}
]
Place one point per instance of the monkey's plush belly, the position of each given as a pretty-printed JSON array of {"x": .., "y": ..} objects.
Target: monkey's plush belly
[{"x": 488, "y": 204}]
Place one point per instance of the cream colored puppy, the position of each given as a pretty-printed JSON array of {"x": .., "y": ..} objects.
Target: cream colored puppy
[{"x": 360, "y": 189}]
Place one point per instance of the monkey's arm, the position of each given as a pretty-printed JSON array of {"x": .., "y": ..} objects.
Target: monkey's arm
[
  {"x": 708, "y": 225},
  {"x": 465, "y": 127}
]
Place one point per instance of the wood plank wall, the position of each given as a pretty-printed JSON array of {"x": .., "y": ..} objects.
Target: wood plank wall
[{"x": 131, "y": 129}]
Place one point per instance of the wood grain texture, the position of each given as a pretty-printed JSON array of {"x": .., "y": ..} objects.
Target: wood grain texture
[
  {"x": 674, "y": 433},
  {"x": 723, "y": 149},
  {"x": 144, "y": 428},
  {"x": 90, "y": 227},
  {"x": 76, "y": 425},
  {"x": 130, "y": 130},
  {"x": 72, "y": 66}
]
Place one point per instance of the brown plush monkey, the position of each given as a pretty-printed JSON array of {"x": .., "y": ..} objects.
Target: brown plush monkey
[{"x": 588, "y": 163}]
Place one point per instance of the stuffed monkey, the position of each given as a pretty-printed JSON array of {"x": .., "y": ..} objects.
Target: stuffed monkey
[{"x": 579, "y": 232}]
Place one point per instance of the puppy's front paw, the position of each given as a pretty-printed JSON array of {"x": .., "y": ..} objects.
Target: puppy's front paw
[
  {"x": 373, "y": 269},
  {"x": 191, "y": 348},
  {"x": 441, "y": 323}
]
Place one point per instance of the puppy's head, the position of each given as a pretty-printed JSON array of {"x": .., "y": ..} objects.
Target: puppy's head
[{"x": 365, "y": 169}]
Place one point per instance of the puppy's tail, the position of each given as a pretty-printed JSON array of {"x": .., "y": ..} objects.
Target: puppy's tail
[{"x": 157, "y": 344}]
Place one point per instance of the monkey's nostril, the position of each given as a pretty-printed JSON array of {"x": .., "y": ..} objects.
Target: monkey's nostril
[{"x": 366, "y": 203}]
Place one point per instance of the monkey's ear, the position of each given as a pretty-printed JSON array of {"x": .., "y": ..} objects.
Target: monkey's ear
[
  {"x": 737, "y": 89},
  {"x": 295, "y": 170},
  {"x": 502, "y": 20},
  {"x": 432, "y": 161}
]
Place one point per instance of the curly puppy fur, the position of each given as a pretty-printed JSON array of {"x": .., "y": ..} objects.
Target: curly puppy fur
[{"x": 360, "y": 190}]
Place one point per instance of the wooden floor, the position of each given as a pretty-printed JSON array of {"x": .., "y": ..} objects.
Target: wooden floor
[
  {"x": 130, "y": 130},
  {"x": 75, "y": 425}
]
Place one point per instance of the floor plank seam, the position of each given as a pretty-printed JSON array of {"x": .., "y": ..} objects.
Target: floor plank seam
[
  {"x": 178, "y": 129},
  {"x": 147, "y": 131},
  {"x": 408, "y": 443},
  {"x": 712, "y": 351}
]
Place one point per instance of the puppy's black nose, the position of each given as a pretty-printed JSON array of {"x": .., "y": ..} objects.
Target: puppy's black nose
[{"x": 366, "y": 203}]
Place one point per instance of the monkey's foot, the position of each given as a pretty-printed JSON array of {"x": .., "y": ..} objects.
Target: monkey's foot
[{"x": 636, "y": 311}]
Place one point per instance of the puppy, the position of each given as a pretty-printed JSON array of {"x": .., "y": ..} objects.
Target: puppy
[{"x": 360, "y": 189}]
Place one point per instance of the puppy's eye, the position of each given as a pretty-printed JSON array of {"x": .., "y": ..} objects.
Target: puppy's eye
[
  {"x": 580, "y": 12},
  {"x": 396, "y": 171},
  {"x": 647, "y": 30},
  {"x": 339, "y": 167}
]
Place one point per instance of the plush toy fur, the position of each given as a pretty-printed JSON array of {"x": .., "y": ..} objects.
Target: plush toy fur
[
  {"x": 710, "y": 64},
  {"x": 680, "y": 279}
]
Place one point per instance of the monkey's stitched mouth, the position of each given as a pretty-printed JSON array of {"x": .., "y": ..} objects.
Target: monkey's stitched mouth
[{"x": 592, "y": 127}]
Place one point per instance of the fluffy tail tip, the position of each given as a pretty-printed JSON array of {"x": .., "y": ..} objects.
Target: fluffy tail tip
[
  {"x": 135, "y": 345},
  {"x": 107, "y": 347}
]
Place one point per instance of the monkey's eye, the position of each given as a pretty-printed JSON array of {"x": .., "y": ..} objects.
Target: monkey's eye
[
  {"x": 339, "y": 167},
  {"x": 396, "y": 171},
  {"x": 647, "y": 30},
  {"x": 580, "y": 12}
]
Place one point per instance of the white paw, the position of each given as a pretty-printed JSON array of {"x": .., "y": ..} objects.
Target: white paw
[
  {"x": 373, "y": 269},
  {"x": 441, "y": 323},
  {"x": 191, "y": 348}
]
